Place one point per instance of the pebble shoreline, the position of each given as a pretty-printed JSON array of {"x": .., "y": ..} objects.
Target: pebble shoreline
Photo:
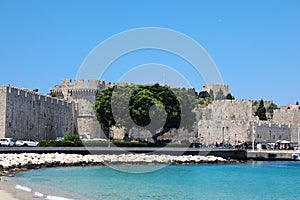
[{"x": 10, "y": 163}]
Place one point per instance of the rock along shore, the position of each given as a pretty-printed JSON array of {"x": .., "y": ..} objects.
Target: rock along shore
[{"x": 10, "y": 163}]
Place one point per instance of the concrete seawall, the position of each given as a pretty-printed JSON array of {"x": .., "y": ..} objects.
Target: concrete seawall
[
  {"x": 224, "y": 153},
  {"x": 219, "y": 152},
  {"x": 273, "y": 155}
]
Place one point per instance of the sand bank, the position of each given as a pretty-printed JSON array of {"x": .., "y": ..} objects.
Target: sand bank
[{"x": 7, "y": 196}]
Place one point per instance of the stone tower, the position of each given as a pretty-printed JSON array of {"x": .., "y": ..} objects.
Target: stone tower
[
  {"x": 84, "y": 96},
  {"x": 216, "y": 91}
]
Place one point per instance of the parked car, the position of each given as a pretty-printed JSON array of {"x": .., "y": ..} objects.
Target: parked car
[
  {"x": 295, "y": 147},
  {"x": 8, "y": 142},
  {"x": 60, "y": 139},
  {"x": 85, "y": 137},
  {"x": 27, "y": 143}
]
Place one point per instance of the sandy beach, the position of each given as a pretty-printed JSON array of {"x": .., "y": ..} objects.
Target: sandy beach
[
  {"x": 7, "y": 196},
  {"x": 10, "y": 190}
]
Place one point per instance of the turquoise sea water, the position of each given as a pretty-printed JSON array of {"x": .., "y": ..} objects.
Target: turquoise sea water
[{"x": 253, "y": 180}]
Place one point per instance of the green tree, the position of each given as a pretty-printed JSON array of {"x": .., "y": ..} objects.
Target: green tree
[
  {"x": 155, "y": 108},
  {"x": 297, "y": 103},
  {"x": 255, "y": 103},
  {"x": 204, "y": 98},
  {"x": 229, "y": 96},
  {"x": 203, "y": 95},
  {"x": 103, "y": 110},
  {"x": 261, "y": 111},
  {"x": 271, "y": 108}
]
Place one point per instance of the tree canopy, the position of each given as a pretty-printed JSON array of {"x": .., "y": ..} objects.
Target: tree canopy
[
  {"x": 229, "y": 96},
  {"x": 203, "y": 95},
  {"x": 152, "y": 107},
  {"x": 261, "y": 111},
  {"x": 270, "y": 109}
]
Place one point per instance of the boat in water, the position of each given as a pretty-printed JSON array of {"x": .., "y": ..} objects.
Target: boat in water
[{"x": 295, "y": 156}]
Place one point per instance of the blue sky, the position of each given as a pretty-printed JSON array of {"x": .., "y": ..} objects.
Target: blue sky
[{"x": 255, "y": 44}]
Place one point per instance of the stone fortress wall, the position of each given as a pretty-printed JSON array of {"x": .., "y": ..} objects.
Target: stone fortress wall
[
  {"x": 84, "y": 95},
  {"x": 228, "y": 120},
  {"x": 210, "y": 127},
  {"x": 228, "y": 110},
  {"x": 210, "y": 131},
  {"x": 3, "y": 91},
  {"x": 290, "y": 116},
  {"x": 270, "y": 132},
  {"x": 233, "y": 120},
  {"x": 26, "y": 114}
]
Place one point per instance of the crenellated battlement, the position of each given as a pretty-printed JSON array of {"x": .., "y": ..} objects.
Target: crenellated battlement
[
  {"x": 28, "y": 114},
  {"x": 273, "y": 125},
  {"x": 229, "y": 110},
  {"x": 24, "y": 93},
  {"x": 78, "y": 89},
  {"x": 233, "y": 101},
  {"x": 80, "y": 83},
  {"x": 287, "y": 116},
  {"x": 287, "y": 111},
  {"x": 83, "y": 94},
  {"x": 69, "y": 108}
]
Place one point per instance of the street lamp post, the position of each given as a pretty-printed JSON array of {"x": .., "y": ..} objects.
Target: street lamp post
[
  {"x": 108, "y": 137},
  {"x": 207, "y": 137},
  {"x": 223, "y": 133},
  {"x": 235, "y": 141},
  {"x": 109, "y": 123},
  {"x": 253, "y": 136},
  {"x": 298, "y": 136}
]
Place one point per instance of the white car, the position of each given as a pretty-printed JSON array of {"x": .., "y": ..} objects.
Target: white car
[
  {"x": 27, "y": 143},
  {"x": 8, "y": 142},
  {"x": 90, "y": 138}
]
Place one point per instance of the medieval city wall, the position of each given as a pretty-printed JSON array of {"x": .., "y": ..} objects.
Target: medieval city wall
[
  {"x": 228, "y": 110},
  {"x": 2, "y": 110},
  {"x": 31, "y": 115},
  {"x": 295, "y": 133},
  {"x": 289, "y": 116},
  {"x": 228, "y": 120},
  {"x": 212, "y": 131},
  {"x": 270, "y": 133},
  {"x": 237, "y": 119},
  {"x": 26, "y": 114}
]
